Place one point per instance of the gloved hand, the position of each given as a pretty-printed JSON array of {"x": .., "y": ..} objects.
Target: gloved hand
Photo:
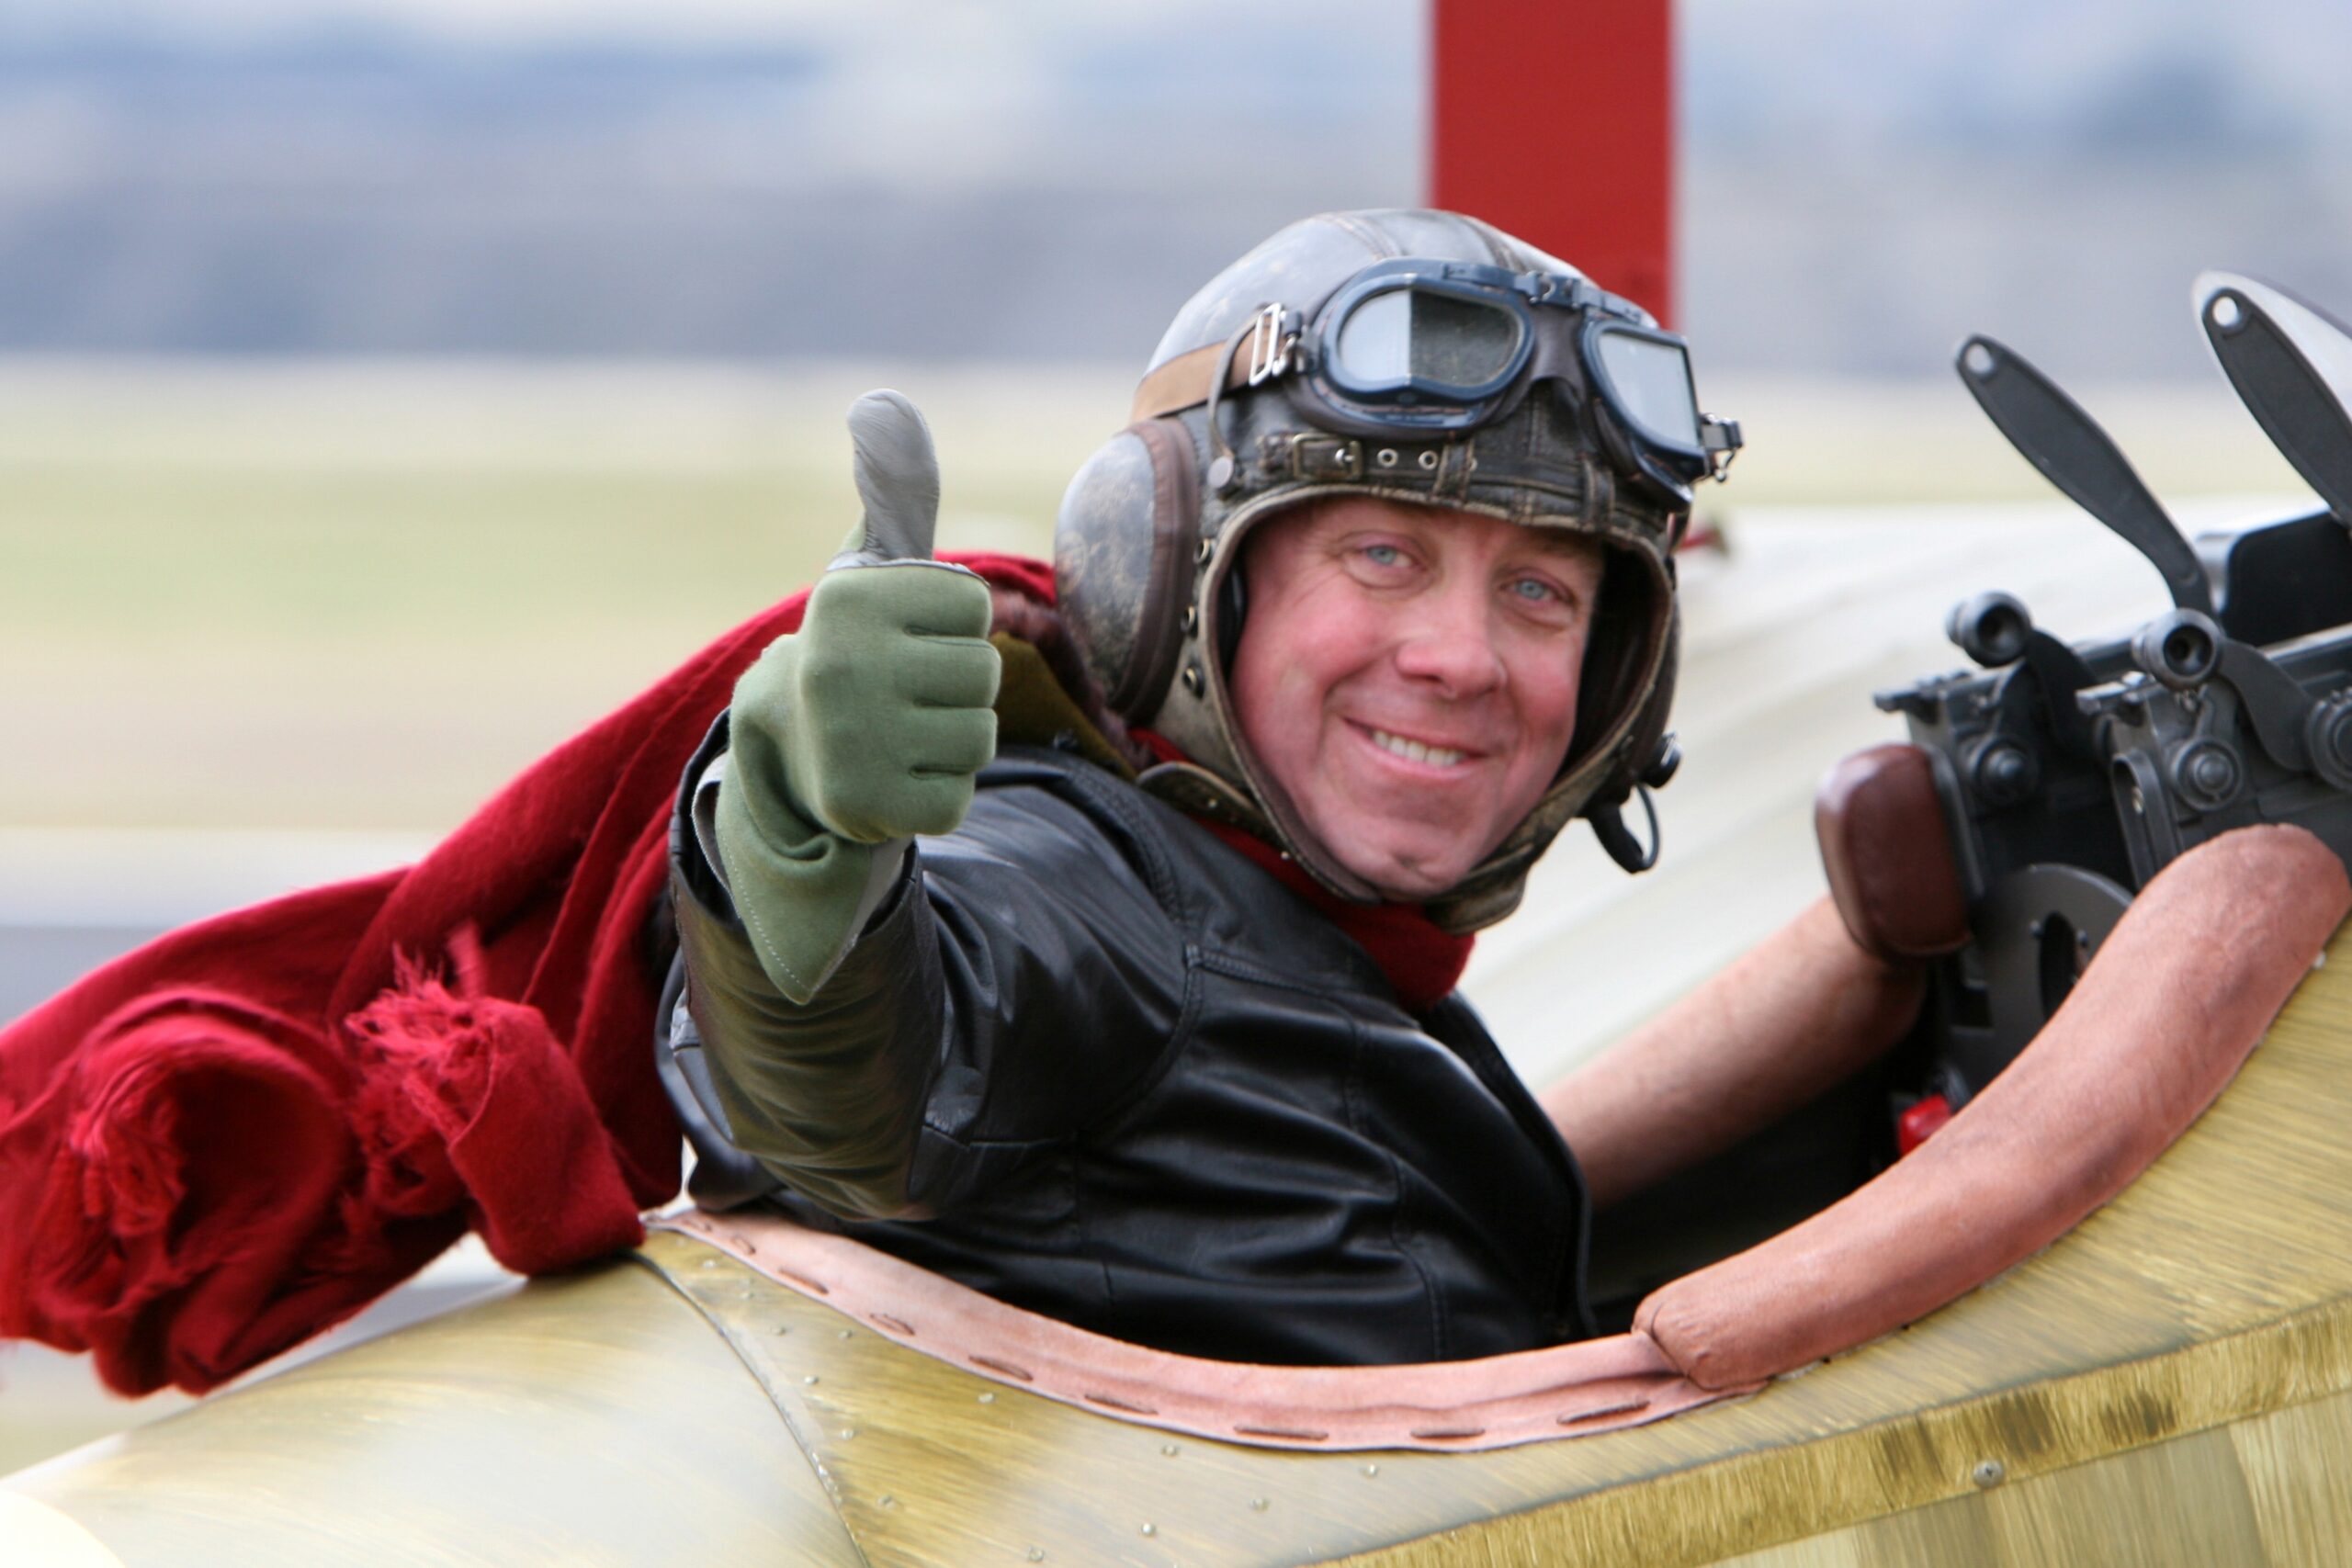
[{"x": 863, "y": 728}]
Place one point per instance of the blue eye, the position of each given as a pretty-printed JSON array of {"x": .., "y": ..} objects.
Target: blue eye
[
  {"x": 1382, "y": 555},
  {"x": 1532, "y": 590}
]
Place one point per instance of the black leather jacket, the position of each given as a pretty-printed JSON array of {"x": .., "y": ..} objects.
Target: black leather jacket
[{"x": 1091, "y": 1061}]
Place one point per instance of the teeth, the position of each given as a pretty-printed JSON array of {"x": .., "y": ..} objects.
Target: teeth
[{"x": 1414, "y": 751}]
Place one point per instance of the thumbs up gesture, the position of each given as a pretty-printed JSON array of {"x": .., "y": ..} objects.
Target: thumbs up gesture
[{"x": 872, "y": 719}]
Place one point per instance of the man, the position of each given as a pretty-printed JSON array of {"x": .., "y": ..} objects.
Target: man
[{"x": 1380, "y": 583}]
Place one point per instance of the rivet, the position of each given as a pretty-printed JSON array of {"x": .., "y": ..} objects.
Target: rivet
[
  {"x": 1386, "y": 457},
  {"x": 847, "y": 1433},
  {"x": 783, "y": 1330},
  {"x": 1150, "y": 1530},
  {"x": 1371, "y": 1470},
  {"x": 1168, "y": 1449},
  {"x": 1036, "y": 1554},
  {"x": 710, "y": 1262},
  {"x": 889, "y": 1501},
  {"x": 810, "y": 1379},
  {"x": 1194, "y": 680},
  {"x": 1201, "y": 556},
  {"x": 844, "y": 1333},
  {"x": 1192, "y": 619},
  {"x": 1429, "y": 460},
  {"x": 1988, "y": 1473},
  {"x": 1258, "y": 1504},
  {"x": 987, "y": 1399}
]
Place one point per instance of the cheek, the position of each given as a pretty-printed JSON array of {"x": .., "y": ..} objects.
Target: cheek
[
  {"x": 1283, "y": 674},
  {"x": 1268, "y": 696},
  {"x": 1548, "y": 686}
]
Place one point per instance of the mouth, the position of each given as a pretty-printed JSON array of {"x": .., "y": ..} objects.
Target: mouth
[{"x": 1413, "y": 751}]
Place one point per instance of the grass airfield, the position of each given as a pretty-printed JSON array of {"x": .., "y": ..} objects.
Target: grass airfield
[
  {"x": 342, "y": 603},
  {"x": 363, "y": 596},
  {"x": 360, "y": 595}
]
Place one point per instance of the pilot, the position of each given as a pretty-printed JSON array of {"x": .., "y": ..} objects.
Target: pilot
[{"x": 1152, "y": 1027}]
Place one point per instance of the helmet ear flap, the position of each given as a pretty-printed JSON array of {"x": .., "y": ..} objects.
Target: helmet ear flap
[{"x": 1123, "y": 558}]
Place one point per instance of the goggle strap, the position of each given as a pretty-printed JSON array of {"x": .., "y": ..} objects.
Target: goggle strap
[
  {"x": 1186, "y": 380},
  {"x": 1184, "y": 383}
]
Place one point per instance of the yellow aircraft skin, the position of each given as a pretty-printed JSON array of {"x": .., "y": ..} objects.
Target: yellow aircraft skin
[{"x": 2169, "y": 1384}]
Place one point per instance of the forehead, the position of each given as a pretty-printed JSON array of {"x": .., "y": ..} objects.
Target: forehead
[{"x": 1343, "y": 514}]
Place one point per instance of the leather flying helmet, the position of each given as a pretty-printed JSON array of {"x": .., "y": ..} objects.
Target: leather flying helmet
[{"x": 1424, "y": 357}]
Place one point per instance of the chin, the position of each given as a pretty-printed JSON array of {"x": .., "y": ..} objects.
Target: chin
[{"x": 1408, "y": 878}]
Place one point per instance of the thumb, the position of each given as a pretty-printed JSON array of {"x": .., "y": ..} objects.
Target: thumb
[{"x": 898, "y": 482}]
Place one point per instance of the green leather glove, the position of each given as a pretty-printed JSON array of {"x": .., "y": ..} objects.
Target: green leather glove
[{"x": 863, "y": 728}]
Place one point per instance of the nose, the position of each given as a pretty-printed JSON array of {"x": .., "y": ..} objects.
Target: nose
[{"x": 1448, "y": 641}]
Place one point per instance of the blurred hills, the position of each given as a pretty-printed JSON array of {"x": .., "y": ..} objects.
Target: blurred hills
[{"x": 1048, "y": 180}]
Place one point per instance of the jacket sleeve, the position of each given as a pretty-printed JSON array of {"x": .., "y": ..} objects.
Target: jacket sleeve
[{"x": 1019, "y": 980}]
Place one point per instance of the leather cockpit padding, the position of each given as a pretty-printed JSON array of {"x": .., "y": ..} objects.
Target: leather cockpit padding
[
  {"x": 2175, "y": 999},
  {"x": 1175, "y": 525},
  {"x": 1798, "y": 1014},
  {"x": 1560, "y": 1391},
  {"x": 1888, "y": 856}
]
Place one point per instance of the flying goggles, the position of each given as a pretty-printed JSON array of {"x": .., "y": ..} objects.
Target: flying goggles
[{"x": 1420, "y": 347}]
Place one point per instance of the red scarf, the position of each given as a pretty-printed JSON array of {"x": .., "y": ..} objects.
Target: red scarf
[
  {"x": 1423, "y": 962},
  {"x": 242, "y": 1132}
]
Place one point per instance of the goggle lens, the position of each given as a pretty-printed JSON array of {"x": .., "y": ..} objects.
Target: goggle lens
[
  {"x": 1649, "y": 381},
  {"x": 1430, "y": 343}
]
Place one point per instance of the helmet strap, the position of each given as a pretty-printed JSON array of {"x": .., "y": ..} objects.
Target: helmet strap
[{"x": 1225, "y": 468}]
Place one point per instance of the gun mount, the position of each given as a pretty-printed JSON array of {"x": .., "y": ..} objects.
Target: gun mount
[{"x": 2070, "y": 774}]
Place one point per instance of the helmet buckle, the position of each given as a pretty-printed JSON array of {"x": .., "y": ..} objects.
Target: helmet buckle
[
  {"x": 1273, "y": 343},
  {"x": 1313, "y": 455}
]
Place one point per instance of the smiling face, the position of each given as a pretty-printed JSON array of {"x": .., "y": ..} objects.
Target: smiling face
[{"x": 1408, "y": 676}]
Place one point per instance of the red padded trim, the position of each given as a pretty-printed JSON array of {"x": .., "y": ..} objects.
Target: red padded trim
[
  {"x": 2177, "y": 997},
  {"x": 1565, "y": 1391}
]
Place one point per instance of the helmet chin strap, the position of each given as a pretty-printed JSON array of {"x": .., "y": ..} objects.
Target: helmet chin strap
[
  {"x": 1609, "y": 821},
  {"x": 1609, "y": 827}
]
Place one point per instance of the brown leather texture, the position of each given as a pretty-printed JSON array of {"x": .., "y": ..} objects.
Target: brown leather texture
[
  {"x": 1888, "y": 856},
  {"x": 1175, "y": 524},
  {"x": 2176, "y": 998},
  {"x": 1562, "y": 1390},
  {"x": 1184, "y": 382}
]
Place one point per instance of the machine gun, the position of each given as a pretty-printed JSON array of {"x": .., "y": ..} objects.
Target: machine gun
[{"x": 2069, "y": 775}]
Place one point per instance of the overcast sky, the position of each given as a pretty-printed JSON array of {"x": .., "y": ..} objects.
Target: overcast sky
[
  {"x": 2268, "y": 69},
  {"x": 912, "y": 21},
  {"x": 1858, "y": 181}
]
